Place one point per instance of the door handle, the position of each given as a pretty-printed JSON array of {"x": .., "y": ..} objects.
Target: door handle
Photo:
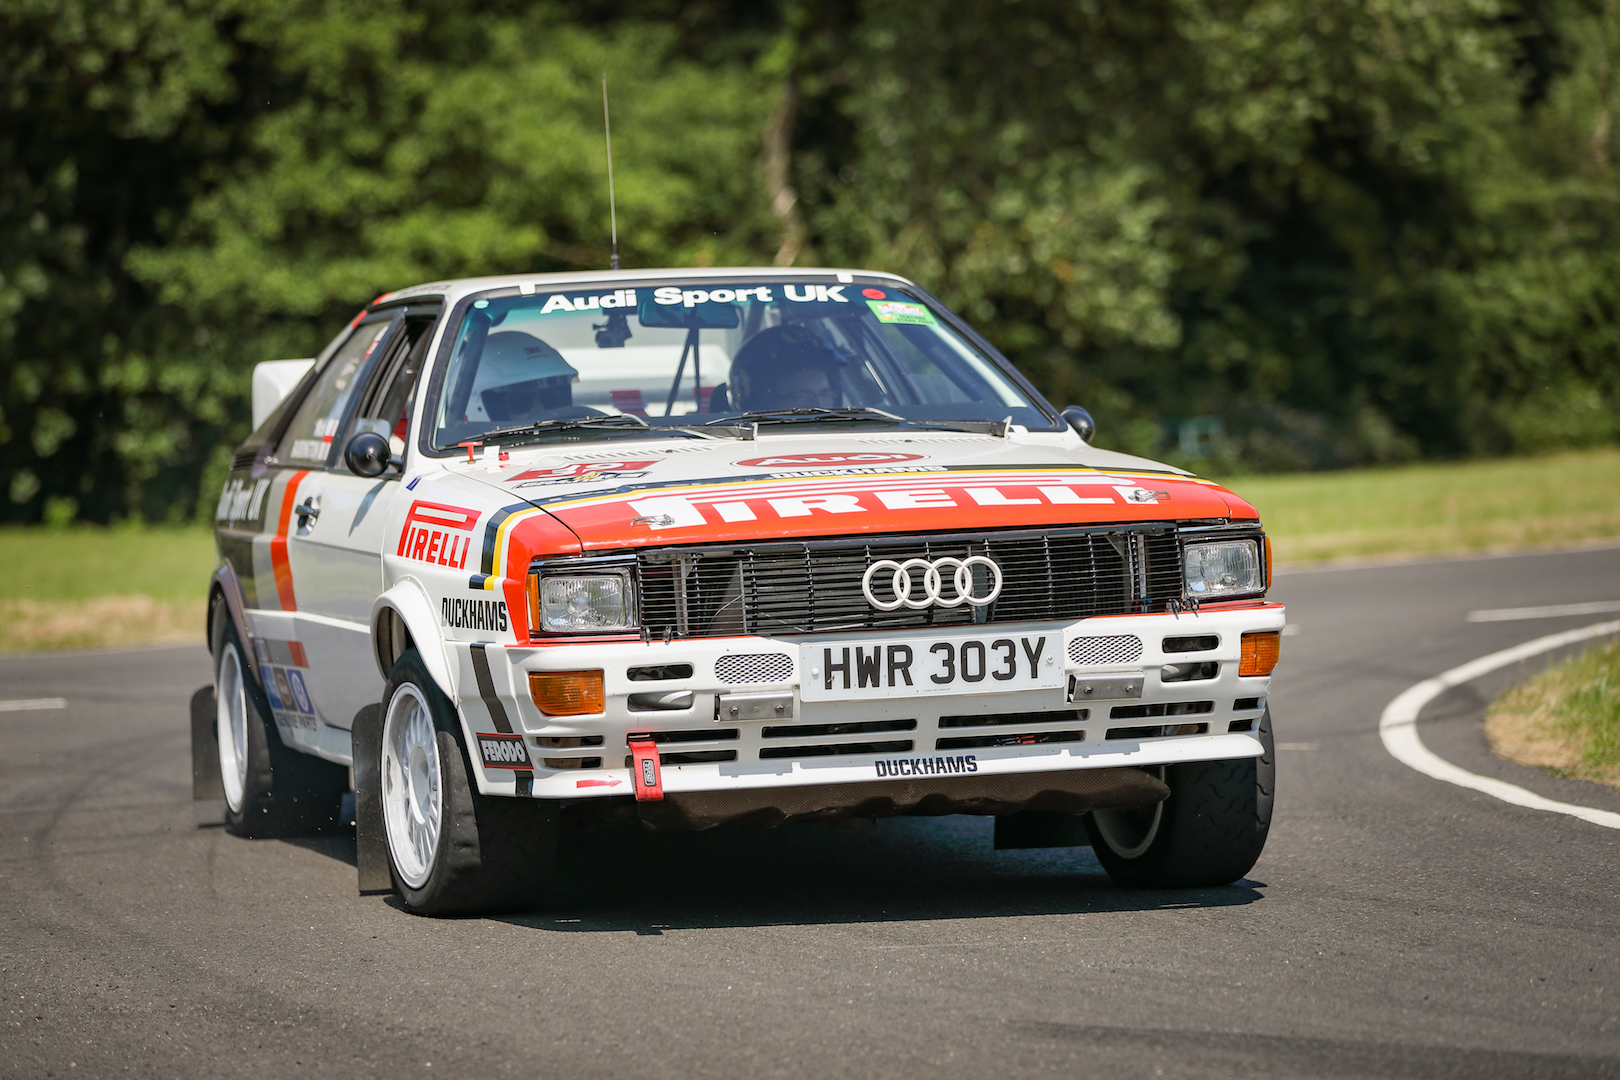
[{"x": 305, "y": 511}]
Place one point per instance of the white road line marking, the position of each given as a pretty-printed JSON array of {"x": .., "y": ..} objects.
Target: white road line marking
[
  {"x": 31, "y": 704},
  {"x": 1551, "y": 611},
  {"x": 1398, "y": 727}
]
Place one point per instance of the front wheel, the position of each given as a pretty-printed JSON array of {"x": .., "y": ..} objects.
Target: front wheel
[
  {"x": 1210, "y": 831},
  {"x": 451, "y": 850}
]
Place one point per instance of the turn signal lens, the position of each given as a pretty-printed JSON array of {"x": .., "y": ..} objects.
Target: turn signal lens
[
  {"x": 1259, "y": 655},
  {"x": 567, "y": 693}
]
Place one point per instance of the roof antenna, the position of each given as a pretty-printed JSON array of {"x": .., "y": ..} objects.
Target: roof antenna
[{"x": 613, "y": 214}]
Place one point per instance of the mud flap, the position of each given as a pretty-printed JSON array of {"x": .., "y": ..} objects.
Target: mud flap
[
  {"x": 1041, "y": 829},
  {"x": 206, "y": 783},
  {"x": 370, "y": 841}
]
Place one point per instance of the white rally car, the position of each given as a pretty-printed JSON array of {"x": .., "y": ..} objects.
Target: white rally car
[{"x": 718, "y": 548}]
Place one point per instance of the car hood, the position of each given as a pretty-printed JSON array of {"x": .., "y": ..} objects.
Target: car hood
[{"x": 642, "y": 492}]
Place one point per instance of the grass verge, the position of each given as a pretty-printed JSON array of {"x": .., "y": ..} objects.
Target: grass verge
[
  {"x": 85, "y": 587},
  {"x": 1517, "y": 504},
  {"x": 88, "y": 587},
  {"x": 1565, "y": 720}
]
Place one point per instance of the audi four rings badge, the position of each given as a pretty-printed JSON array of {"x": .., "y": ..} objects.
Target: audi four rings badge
[{"x": 933, "y": 582}]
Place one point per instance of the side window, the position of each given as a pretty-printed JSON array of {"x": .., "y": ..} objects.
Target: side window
[
  {"x": 314, "y": 426},
  {"x": 385, "y": 405}
]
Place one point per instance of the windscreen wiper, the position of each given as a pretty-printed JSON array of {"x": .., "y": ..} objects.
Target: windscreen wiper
[
  {"x": 807, "y": 414},
  {"x": 572, "y": 423},
  {"x": 817, "y": 415}
]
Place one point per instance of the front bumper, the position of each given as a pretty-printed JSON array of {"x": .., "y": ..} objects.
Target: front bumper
[{"x": 582, "y": 757}]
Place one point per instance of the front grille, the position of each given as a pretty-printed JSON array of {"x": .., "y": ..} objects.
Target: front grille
[{"x": 812, "y": 587}]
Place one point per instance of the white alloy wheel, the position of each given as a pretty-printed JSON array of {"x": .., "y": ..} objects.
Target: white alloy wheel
[
  {"x": 412, "y": 792},
  {"x": 1130, "y": 832},
  {"x": 231, "y": 721}
]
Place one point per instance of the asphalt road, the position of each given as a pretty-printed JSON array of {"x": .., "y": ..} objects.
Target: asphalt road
[{"x": 1395, "y": 927}]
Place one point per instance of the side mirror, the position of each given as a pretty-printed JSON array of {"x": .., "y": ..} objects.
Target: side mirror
[
  {"x": 1081, "y": 421},
  {"x": 367, "y": 454}
]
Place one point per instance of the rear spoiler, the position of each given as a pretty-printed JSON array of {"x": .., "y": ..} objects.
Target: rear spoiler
[{"x": 273, "y": 380}]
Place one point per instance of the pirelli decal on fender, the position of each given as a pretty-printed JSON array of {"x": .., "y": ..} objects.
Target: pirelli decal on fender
[
  {"x": 431, "y": 534},
  {"x": 928, "y": 766}
]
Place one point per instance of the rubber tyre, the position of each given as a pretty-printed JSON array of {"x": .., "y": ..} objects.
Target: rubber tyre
[
  {"x": 1210, "y": 831},
  {"x": 488, "y": 854},
  {"x": 283, "y": 792}
]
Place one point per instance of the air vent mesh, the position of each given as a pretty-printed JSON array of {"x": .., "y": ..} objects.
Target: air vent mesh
[
  {"x": 754, "y": 668},
  {"x": 1120, "y": 649}
]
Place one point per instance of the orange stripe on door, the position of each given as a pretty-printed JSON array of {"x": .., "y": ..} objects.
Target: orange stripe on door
[{"x": 278, "y": 544}]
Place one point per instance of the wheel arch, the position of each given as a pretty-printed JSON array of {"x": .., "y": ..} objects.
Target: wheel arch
[
  {"x": 225, "y": 586},
  {"x": 401, "y": 618}
]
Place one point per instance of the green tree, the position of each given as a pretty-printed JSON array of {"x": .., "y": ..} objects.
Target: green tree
[
  {"x": 1305, "y": 218},
  {"x": 107, "y": 118}
]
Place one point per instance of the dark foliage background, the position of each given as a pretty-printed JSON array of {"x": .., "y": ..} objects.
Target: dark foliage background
[{"x": 1332, "y": 232}]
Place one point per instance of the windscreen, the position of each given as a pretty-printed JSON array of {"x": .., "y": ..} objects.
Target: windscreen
[{"x": 712, "y": 353}]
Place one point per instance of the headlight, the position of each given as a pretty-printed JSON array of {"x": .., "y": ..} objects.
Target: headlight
[
  {"x": 1224, "y": 568},
  {"x": 573, "y": 603}
]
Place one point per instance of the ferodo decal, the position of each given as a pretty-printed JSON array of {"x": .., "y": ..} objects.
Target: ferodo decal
[
  {"x": 928, "y": 766},
  {"x": 816, "y": 461},
  {"x": 460, "y": 614},
  {"x": 429, "y": 534},
  {"x": 501, "y": 751},
  {"x": 583, "y": 472}
]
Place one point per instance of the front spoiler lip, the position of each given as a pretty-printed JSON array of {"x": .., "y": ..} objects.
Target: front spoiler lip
[
  {"x": 749, "y": 772},
  {"x": 739, "y": 775}
]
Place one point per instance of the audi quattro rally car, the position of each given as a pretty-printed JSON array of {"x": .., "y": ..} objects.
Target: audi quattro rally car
[{"x": 718, "y": 547}]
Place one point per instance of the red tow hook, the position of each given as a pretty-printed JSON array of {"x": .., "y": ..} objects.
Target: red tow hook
[{"x": 645, "y": 775}]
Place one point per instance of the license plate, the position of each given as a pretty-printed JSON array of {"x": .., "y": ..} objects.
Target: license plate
[{"x": 843, "y": 671}]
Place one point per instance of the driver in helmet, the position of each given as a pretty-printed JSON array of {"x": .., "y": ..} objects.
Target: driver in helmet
[
  {"x": 521, "y": 378},
  {"x": 785, "y": 367}
]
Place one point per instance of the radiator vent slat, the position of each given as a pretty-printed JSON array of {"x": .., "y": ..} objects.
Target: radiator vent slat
[{"x": 812, "y": 587}]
